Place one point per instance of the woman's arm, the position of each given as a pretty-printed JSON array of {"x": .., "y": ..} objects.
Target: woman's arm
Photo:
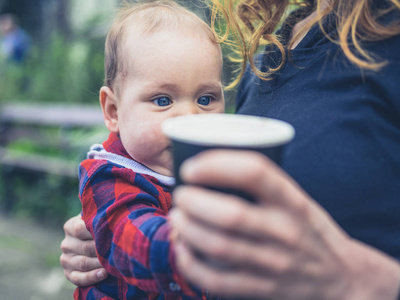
[
  {"x": 284, "y": 247},
  {"x": 78, "y": 258}
]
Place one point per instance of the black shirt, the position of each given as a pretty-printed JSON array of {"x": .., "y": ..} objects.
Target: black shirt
[{"x": 346, "y": 153}]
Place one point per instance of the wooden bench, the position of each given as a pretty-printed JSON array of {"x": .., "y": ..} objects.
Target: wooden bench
[{"x": 28, "y": 122}]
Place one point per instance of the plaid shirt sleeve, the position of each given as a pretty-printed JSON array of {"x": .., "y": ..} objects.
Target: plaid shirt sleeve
[{"x": 126, "y": 213}]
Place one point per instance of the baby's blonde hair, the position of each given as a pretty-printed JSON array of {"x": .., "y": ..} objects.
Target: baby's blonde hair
[
  {"x": 251, "y": 23},
  {"x": 148, "y": 16}
]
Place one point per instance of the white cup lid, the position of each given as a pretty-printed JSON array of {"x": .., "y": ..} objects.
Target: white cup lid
[{"x": 228, "y": 130}]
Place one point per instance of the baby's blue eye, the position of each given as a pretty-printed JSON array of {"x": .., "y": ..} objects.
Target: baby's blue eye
[
  {"x": 205, "y": 100},
  {"x": 163, "y": 101}
]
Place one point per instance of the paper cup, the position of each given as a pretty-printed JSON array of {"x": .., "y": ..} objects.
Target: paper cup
[{"x": 192, "y": 134}]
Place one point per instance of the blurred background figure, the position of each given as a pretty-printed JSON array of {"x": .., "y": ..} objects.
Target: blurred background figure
[{"x": 15, "y": 42}]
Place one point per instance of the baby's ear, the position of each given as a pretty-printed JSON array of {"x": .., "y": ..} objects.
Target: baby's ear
[{"x": 109, "y": 105}]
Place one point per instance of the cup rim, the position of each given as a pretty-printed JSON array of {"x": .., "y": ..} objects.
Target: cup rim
[{"x": 176, "y": 128}]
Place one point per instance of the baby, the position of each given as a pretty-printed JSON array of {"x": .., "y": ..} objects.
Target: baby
[{"x": 161, "y": 61}]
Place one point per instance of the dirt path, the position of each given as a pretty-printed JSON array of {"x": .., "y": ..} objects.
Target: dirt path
[{"x": 29, "y": 262}]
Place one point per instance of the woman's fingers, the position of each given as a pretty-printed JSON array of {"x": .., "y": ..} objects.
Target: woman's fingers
[
  {"x": 75, "y": 227},
  {"x": 78, "y": 258},
  {"x": 235, "y": 215},
  {"x": 212, "y": 207},
  {"x": 78, "y": 247},
  {"x": 230, "y": 249},
  {"x": 258, "y": 176},
  {"x": 79, "y": 263},
  {"x": 86, "y": 278},
  {"x": 221, "y": 282},
  {"x": 248, "y": 171}
]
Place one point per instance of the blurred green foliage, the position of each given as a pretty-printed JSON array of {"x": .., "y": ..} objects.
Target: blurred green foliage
[
  {"x": 47, "y": 197},
  {"x": 59, "y": 70}
]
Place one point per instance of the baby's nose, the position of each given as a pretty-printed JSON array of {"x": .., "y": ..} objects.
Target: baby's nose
[{"x": 188, "y": 108}]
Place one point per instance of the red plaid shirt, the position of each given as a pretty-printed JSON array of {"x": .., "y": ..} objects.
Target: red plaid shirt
[{"x": 125, "y": 207}]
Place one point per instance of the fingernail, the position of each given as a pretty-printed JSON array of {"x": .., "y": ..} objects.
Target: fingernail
[{"x": 101, "y": 275}]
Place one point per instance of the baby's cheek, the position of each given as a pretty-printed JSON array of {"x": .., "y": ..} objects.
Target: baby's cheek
[
  {"x": 146, "y": 144},
  {"x": 147, "y": 148},
  {"x": 133, "y": 143},
  {"x": 155, "y": 138}
]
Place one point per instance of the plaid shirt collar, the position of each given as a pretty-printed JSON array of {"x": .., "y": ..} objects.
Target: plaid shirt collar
[
  {"x": 113, "y": 151},
  {"x": 114, "y": 145}
]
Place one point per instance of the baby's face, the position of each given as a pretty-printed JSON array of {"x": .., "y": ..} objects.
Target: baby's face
[{"x": 170, "y": 73}]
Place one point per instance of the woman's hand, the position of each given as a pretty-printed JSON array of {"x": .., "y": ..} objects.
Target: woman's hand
[
  {"x": 284, "y": 247},
  {"x": 79, "y": 260}
]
